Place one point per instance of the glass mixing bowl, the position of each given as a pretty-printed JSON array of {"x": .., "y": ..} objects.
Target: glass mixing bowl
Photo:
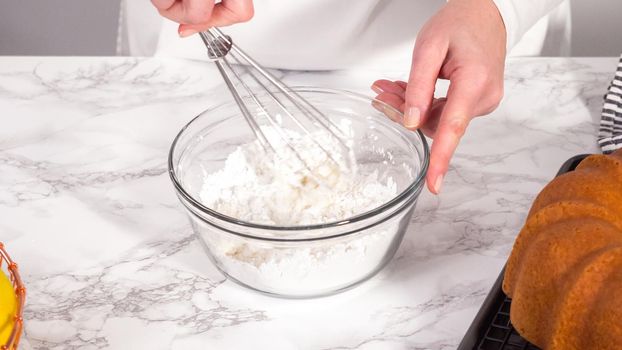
[{"x": 310, "y": 260}]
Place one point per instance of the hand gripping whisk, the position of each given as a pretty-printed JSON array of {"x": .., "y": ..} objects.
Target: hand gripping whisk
[{"x": 261, "y": 96}]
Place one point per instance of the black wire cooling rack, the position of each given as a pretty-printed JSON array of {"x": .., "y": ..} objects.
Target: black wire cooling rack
[{"x": 500, "y": 333}]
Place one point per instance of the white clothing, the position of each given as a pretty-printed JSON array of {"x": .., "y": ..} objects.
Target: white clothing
[
  {"x": 323, "y": 34},
  {"x": 520, "y": 15}
]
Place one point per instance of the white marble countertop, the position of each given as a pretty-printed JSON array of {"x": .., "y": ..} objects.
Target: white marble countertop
[{"x": 109, "y": 258}]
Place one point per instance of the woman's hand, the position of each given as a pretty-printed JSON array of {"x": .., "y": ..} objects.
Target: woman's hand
[
  {"x": 465, "y": 43},
  {"x": 198, "y": 15}
]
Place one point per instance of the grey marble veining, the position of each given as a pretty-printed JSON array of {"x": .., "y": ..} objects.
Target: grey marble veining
[{"x": 110, "y": 261}]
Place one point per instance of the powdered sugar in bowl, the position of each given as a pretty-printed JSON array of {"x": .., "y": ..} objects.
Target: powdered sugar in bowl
[{"x": 265, "y": 226}]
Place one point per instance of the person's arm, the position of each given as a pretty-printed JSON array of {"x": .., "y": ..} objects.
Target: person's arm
[{"x": 520, "y": 15}]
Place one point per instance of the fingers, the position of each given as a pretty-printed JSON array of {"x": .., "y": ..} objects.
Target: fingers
[
  {"x": 434, "y": 115},
  {"x": 386, "y": 86},
  {"x": 225, "y": 13},
  {"x": 445, "y": 121},
  {"x": 473, "y": 91},
  {"x": 186, "y": 11},
  {"x": 162, "y": 4},
  {"x": 395, "y": 102},
  {"x": 427, "y": 61},
  {"x": 392, "y": 100},
  {"x": 199, "y": 15},
  {"x": 459, "y": 109},
  {"x": 391, "y": 93}
]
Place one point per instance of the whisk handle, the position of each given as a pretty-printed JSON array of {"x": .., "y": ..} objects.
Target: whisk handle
[{"x": 217, "y": 46}]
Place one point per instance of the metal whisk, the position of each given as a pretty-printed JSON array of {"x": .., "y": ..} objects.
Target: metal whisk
[{"x": 259, "y": 94}]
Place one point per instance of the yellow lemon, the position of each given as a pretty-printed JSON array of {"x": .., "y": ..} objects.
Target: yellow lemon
[{"x": 8, "y": 308}]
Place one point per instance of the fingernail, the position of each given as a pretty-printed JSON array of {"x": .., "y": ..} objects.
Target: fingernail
[
  {"x": 377, "y": 105},
  {"x": 377, "y": 89},
  {"x": 438, "y": 183},
  {"x": 392, "y": 114},
  {"x": 187, "y": 32},
  {"x": 412, "y": 117},
  {"x": 386, "y": 110}
]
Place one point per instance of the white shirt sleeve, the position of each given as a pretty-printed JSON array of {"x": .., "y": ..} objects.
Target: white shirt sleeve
[{"x": 520, "y": 15}]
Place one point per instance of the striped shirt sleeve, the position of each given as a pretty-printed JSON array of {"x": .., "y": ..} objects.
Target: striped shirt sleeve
[{"x": 610, "y": 132}]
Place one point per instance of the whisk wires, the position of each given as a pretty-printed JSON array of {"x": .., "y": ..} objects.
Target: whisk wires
[{"x": 220, "y": 47}]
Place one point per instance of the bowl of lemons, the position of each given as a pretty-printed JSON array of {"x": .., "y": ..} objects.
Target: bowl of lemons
[{"x": 12, "y": 297}]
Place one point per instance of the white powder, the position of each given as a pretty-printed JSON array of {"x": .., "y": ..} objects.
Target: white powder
[{"x": 275, "y": 188}]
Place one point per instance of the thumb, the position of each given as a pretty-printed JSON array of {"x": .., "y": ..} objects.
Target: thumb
[{"x": 462, "y": 98}]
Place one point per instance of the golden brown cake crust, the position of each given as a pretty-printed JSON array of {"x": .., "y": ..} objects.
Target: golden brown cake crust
[
  {"x": 606, "y": 314},
  {"x": 565, "y": 271},
  {"x": 611, "y": 165},
  {"x": 551, "y": 214},
  {"x": 587, "y": 316},
  {"x": 591, "y": 185},
  {"x": 547, "y": 262}
]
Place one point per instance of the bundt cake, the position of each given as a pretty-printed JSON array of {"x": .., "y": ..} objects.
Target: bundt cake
[{"x": 564, "y": 274}]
